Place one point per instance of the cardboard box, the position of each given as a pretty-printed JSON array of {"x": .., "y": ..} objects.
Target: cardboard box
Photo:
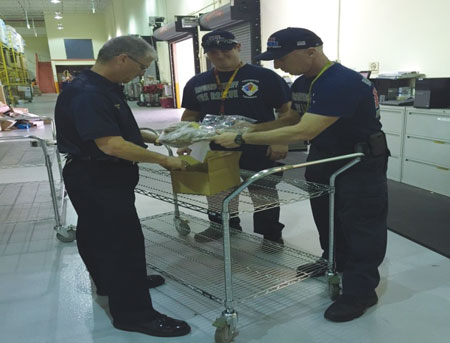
[{"x": 219, "y": 172}]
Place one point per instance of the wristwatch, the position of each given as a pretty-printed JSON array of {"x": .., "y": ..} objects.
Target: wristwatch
[{"x": 238, "y": 139}]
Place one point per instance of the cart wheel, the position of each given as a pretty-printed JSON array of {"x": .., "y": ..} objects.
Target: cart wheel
[
  {"x": 70, "y": 237},
  {"x": 224, "y": 334},
  {"x": 182, "y": 226},
  {"x": 333, "y": 286}
]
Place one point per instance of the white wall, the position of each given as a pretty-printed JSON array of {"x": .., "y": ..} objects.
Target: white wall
[
  {"x": 36, "y": 45},
  {"x": 400, "y": 34},
  {"x": 131, "y": 16}
]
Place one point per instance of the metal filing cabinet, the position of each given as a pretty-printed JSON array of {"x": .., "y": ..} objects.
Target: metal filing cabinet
[
  {"x": 393, "y": 120},
  {"x": 426, "y": 155}
]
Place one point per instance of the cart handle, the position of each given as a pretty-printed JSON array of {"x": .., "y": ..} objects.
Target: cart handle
[
  {"x": 28, "y": 137},
  {"x": 274, "y": 170},
  {"x": 52, "y": 122}
]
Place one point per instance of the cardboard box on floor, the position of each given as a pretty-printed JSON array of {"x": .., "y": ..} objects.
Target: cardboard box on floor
[{"x": 219, "y": 171}]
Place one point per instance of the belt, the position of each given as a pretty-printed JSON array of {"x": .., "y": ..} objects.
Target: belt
[{"x": 112, "y": 160}]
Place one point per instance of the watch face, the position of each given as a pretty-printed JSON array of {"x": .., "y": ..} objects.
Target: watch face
[{"x": 238, "y": 139}]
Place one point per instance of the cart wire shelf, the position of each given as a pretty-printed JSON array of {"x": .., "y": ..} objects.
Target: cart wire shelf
[
  {"x": 259, "y": 267},
  {"x": 16, "y": 154},
  {"x": 26, "y": 201},
  {"x": 268, "y": 192}
]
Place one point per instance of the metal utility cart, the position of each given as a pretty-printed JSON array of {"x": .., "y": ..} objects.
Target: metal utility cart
[
  {"x": 240, "y": 266},
  {"x": 65, "y": 233}
]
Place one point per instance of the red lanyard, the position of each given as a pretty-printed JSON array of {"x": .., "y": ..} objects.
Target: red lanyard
[{"x": 227, "y": 88}]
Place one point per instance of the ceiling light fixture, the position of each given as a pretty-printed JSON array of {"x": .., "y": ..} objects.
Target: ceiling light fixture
[
  {"x": 55, "y": 1},
  {"x": 26, "y": 18},
  {"x": 34, "y": 27},
  {"x": 58, "y": 15},
  {"x": 93, "y": 6},
  {"x": 60, "y": 26}
]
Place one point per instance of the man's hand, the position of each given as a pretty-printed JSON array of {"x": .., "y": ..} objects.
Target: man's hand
[
  {"x": 277, "y": 152},
  {"x": 184, "y": 151},
  {"x": 174, "y": 163},
  {"x": 226, "y": 140}
]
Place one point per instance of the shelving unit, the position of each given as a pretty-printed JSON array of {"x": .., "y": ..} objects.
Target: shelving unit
[{"x": 13, "y": 72}]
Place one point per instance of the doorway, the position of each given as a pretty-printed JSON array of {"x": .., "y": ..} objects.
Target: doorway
[
  {"x": 183, "y": 66},
  {"x": 45, "y": 77}
]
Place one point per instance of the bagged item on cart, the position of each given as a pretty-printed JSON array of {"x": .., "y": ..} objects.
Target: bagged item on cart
[
  {"x": 234, "y": 123},
  {"x": 185, "y": 133}
]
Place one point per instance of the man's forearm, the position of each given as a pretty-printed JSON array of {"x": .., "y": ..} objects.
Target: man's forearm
[
  {"x": 284, "y": 119},
  {"x": 284, "y": 135},
  {"x": 120, "y": 148}
]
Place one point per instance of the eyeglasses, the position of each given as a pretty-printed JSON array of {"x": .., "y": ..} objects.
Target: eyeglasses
[{"x": 142, "y": 66}]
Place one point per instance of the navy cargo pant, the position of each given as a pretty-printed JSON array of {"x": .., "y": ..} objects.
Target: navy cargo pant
[
  {"x": 361, "y": 208},
  {"x": 266, "y": 222},
  {"x": 109, "y": 235}
]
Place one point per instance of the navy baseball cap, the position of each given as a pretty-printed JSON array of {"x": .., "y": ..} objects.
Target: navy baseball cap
[
  {"x": 218, "y": 39},
  {"x": 287, "y": 40}
]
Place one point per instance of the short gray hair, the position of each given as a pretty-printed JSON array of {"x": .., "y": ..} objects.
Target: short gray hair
[{"x": 131, "y": 45}]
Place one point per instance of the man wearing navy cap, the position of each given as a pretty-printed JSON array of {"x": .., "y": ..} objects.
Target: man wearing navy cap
[
  {"x": 235, "y": 88},
  {"x": 340, "y": 115}
]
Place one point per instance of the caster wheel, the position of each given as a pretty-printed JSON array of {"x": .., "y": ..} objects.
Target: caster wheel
[
  {"x": 182, "y": 226},
  {"x": 70, "y": 237},
  {"x": 224, "y": 334}
]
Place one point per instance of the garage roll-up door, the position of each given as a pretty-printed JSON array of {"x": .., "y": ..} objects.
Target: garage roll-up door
[{"x": 243, "y": 35}]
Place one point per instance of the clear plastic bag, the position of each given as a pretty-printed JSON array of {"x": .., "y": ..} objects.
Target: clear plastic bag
[{"x": 185, "y": 133}]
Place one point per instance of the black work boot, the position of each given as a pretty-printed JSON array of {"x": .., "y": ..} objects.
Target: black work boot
[
  {"x": 213, "y": 233},
  {"x": 152, "y": 281},
  {"x": 348, "y": 307},
  {"x": 161, "y": 326}
]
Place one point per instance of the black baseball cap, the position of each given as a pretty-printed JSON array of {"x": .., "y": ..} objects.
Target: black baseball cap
[
  {"x": 218, "y": 39},
  {"x": 287, "y": 40}
]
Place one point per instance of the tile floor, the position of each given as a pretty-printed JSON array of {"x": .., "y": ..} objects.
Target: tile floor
[{"x": 46, "y": 294}]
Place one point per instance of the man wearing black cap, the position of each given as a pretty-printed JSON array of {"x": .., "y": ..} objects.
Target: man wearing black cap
[
  {"x": 340, "y": 115},
  {"x": 235, "y": 88}
]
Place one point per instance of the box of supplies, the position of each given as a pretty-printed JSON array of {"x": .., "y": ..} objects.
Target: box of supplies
[{"x": 218, "y": 172}]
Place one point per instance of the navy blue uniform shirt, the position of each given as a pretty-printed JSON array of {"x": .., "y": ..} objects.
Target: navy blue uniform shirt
[
  {"x": 344, "y": 93},
  {"x": 92, "y": 107},
  {"x": 254, "y": 93}
]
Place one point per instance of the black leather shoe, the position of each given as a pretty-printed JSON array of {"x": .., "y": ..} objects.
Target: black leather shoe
[
  {"x": 313, "y": 269},
  {"x": 272, "y": 245},
  {"x": 162, "y": 326},
  {"x": 347, "y": 308},
  {"x": 213, "y": 234},
  {"x": 152, "y": 282}
]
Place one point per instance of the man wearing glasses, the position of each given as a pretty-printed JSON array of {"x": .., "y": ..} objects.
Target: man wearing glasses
[{"x": 97, "y": 131}]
